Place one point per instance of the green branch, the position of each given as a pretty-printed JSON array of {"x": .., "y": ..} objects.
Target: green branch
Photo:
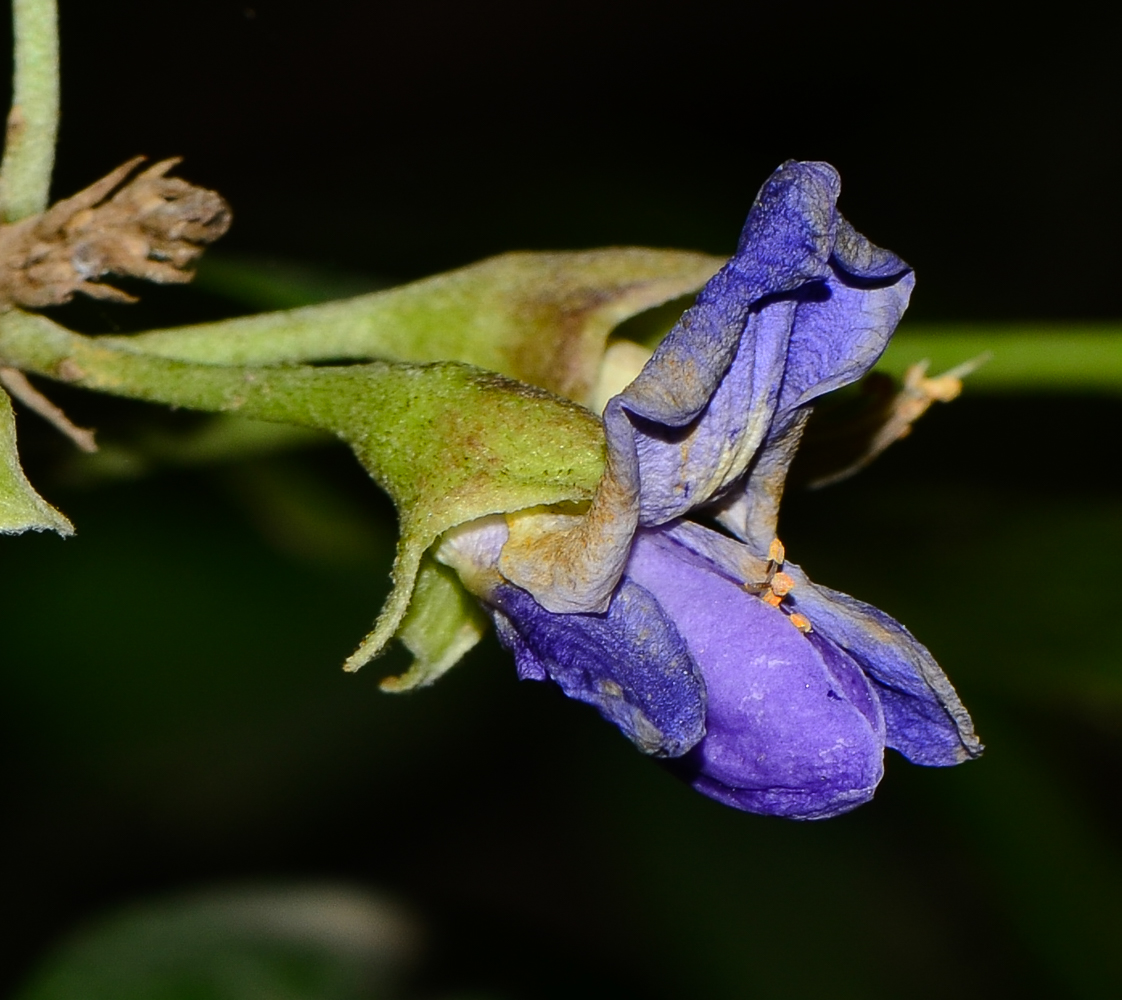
[
  {"x": 29, "y": 151},
  {"x": 1054, "y": 357}
]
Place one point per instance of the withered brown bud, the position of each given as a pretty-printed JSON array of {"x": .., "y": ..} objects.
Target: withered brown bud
[{"x": 154, "y": 227}]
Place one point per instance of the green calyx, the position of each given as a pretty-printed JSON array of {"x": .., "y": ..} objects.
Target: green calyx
[
  {"x": 447, "y": 441},
  {"x": 21, "y": 508},
  {"x": 437, "y": 419}
]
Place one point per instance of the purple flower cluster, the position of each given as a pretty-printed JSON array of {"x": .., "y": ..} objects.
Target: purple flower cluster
[{"x": 772, "y": 694}]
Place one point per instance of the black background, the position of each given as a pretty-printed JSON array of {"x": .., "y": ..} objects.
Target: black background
[{"x": 406, "y": 138}]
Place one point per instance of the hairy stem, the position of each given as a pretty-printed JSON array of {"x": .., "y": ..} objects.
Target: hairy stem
[
  {"x": 29, "y": 150},
  {"x": 35, "y": 344}
]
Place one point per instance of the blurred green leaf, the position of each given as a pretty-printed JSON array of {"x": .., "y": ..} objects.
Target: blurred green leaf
[
  {"x": 1062, "y": 879},
  {"x": 301, "y": 513},
  {"x": 267, "y": 283},
  {"x": 220, "y": 439},
  {"x": 282, "y": 943},
  {"x": 21, "y": 508}
]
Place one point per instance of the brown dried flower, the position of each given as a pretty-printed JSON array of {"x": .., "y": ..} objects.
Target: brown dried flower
[{"x": 154, "y": 227}]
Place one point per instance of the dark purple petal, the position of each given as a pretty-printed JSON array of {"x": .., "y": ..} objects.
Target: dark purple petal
[
  {"x": 630, "y": 662},
  {"x": 924, "y": 718},
  {"x": 793, "y": 727},
  {"x": 526, "y": 663},
  {"x": 791, "y": 222}
]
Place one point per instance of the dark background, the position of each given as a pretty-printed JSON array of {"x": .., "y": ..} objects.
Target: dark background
[{"x": 173, "y": 711}]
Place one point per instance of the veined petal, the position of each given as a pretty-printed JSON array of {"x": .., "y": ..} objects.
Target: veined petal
[
  {"x": 715, "y": 377},
  {"x": 842, "y": 327},
  {"x": 683, "y": 467},
  {"x": 925, "y": 719},
  {"x": 630, "y": 662}
]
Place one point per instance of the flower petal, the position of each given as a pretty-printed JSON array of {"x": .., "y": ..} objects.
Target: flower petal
[
  {"x": 925, "y": 719},
  {"x": 840, "y": 332},
  {"x": 630, "y": 662},
  {"x": 793, "y": 727},
  {"x": 840, "y": 328},
  {"x": 724, "y": 360},
  {"x": 689, "y": 425},
  {"x": 682, "y": 467}
]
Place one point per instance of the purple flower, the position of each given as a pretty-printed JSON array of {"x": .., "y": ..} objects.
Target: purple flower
[{"x": 772, "y": 694}]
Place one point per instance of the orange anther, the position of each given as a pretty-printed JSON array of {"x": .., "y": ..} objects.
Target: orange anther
[
  {"x": 769, "y": 598},
  {"x": 776, "y": 552},
  {"x": 781, "y": 583},
  {"x": 801, "y": 622}
]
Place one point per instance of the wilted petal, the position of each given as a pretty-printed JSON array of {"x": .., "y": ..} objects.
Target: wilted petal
[
  {"x": 741, "y": 319},
  {"x": 925, "y": 719},
  {"x": 682, "y": 467},
  {"x": 840, "y": 328},
  {"x": 793, "y": 727},
  {"x": 630, "y": 662},
  {"x": 752, "y": 512},
  {"x": 689, "y": 425}
]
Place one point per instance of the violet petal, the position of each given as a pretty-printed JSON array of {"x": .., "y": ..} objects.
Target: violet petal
[
  {"x": 629, "y": 662},
  {"x": 740, "y": 320},
  {"x": 790, "y": 731},
  {"x": 925, "y": 719}
]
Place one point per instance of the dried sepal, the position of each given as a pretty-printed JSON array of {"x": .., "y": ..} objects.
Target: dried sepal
[
  {"x": 843, "y": 439},
  {"x": 153, "y": 227}
]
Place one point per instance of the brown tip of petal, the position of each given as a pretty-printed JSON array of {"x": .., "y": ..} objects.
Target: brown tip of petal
[{"x": 152, "y": 227}]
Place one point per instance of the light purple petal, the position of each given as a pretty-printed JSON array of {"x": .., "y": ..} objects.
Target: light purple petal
[
  {"x": 841, "y": 328},
  {"x": 683, "y": 467},
  {"x": 804, "y": 305},
  {"x": 925, "y": 719},
  {"x": 793, "y": 727},
  {"x": 694, "y": 423},
  {"x": 630, "y": 662},
  {"x": 752, "y": 512}
]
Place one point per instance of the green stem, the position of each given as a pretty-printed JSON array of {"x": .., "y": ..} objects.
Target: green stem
[
  {"x": 397, "y": 417},
  {"x": 29, "y": 151},
  {"x": 37, "y": 345},
  {"x": 1054, "y": 357}
]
